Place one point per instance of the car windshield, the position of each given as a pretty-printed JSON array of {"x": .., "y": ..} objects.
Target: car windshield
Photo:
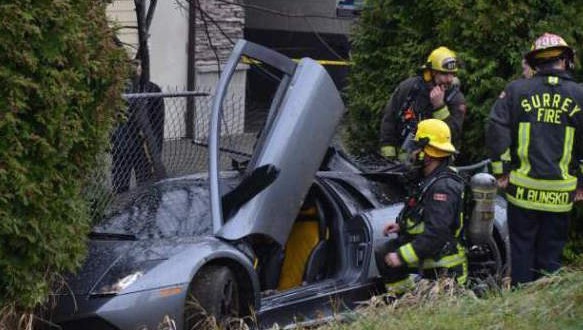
[{"x": 170, "y": 209}]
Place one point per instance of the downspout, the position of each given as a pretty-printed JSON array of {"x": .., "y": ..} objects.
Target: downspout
[{"x": 191, "y": 71}]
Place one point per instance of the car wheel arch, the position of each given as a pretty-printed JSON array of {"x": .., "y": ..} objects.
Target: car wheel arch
[{"x": 248, "y": 287}]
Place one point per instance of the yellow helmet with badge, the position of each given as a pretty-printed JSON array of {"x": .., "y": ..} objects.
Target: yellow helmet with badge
[
  {"x": 436, "y": 138},
  {"x": 549, "y": 47},
  {"x": 441, "y": 59}
]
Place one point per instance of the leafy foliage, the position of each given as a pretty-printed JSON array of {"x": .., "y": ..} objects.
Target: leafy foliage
[
  {"x": 59, "y": 88},
  {"x": 393, "y": 38}
]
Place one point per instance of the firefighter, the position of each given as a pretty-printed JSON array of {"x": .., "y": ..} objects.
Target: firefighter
[
  {"x": 429, "y": 226},
  {"x": 137, "y": 143},
  {"x": 534, "y": 137},
  {"x": 432, "y": 94}
]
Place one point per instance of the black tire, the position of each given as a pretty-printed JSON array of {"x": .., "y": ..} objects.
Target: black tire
[{"x": 213, "y": 299}]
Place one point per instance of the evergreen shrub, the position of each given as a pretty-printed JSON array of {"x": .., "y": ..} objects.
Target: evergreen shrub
[{"x": 59, "y": 88}]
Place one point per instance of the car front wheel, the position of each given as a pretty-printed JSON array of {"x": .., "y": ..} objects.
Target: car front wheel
[{"x": 213, "y": 299}]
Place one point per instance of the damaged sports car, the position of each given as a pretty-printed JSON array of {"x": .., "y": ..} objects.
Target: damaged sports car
[{"x": 284, "y": 233}]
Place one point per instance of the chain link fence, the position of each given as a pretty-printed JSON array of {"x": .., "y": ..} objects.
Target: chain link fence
[{"x": 165, "y": 136}]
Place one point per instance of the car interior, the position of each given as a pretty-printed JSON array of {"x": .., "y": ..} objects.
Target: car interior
[{"x": 307, "y": 255}]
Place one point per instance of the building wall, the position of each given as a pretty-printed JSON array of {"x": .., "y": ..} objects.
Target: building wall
[
  {"x": 218, "y": 25},
  {"x": 168, "y": 43},
  {"x": 230, "y": 19},
  {"x": 122, "y": 14},
  {"x": 266, "y": 20},
  {"x": 302, "y": 28}
]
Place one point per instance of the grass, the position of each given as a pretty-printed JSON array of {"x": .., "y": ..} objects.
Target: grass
[{"x": 553, "y": 302}]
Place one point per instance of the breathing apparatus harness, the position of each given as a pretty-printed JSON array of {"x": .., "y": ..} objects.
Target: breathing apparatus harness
[
  {"x": 412, "y": 214},
  {"x": 409, "y": 118},
  {"x": 407, "y": 115}
]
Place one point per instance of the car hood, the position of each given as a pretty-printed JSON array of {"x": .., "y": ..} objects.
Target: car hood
[
  {"x": 110, "y": 261},
  {"x": 302, "y": 120},
  {"x": 101, "y": 257},
  {"x": 144, "y": 229},
  {"x": 177, "y": 207}
]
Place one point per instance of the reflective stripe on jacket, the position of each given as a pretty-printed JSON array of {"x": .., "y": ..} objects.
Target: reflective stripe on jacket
[{"x": 538, "y": 124}]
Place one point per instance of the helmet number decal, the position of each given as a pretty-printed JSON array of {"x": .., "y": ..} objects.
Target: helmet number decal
[{"x": 449, "y": 63}]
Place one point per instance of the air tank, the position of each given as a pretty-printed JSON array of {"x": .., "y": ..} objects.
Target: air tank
[{"x": 484, "y": 187}]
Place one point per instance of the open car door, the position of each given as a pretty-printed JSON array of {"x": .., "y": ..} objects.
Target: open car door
[{"x": 290, "y": 145}]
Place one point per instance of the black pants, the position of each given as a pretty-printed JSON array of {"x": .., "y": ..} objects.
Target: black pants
[{"x": 536, "y": 242}]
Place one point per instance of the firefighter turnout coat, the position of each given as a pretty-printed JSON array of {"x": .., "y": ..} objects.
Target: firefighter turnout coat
[
  {"x": 431, "y": 224},
  {"x": 410, "y": 104},
  {"x": 535, "y": 134}
]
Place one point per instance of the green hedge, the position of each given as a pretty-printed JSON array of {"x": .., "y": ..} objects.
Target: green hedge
[
  {"x": 393, "y": 38},
  {"x": 59, "y": 88}
]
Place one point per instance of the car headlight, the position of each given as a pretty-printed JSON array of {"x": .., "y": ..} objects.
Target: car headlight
[
  {"x": 119, "y": 285},
  {"x": 125, "y": 272}
]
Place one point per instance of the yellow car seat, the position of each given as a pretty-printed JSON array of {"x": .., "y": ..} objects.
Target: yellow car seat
[{"x": 307, "y": 239}]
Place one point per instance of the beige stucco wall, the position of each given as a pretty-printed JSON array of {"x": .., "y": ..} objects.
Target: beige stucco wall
[
  {"x": 168, "y": 42},
  {"x": 122, "y": 15}
]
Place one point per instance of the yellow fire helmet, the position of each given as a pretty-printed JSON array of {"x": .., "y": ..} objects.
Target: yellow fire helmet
[
  {"x": 442, "y": 59},
  {"x": 438, "y": 135},
  {"x": 548, "y": 47}
]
